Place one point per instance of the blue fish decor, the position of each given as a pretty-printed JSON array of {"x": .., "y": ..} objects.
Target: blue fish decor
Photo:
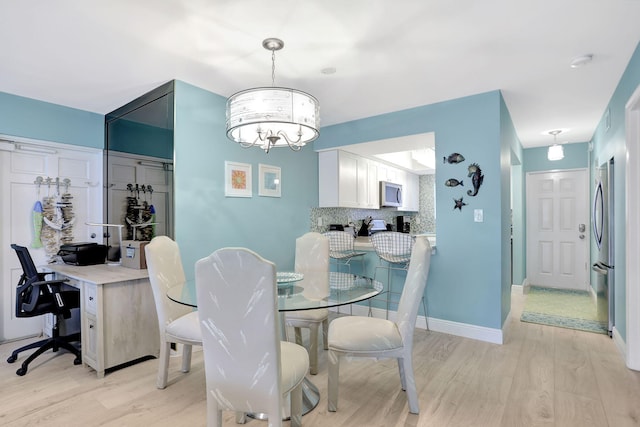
[
  {"x": 475, "y": 173},
  {"x": 459, "y": 204},
  {"x": 453, "y": 158},
  {"x": 452, "y": 182}
]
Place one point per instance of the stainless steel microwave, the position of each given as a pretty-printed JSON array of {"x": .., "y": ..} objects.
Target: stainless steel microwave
[{"x": 390, "y": 194}]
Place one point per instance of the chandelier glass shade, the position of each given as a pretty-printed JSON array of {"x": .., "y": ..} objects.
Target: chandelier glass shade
[{"x": 268, "y": 117}]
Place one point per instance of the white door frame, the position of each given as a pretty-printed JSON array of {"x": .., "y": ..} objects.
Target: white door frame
[{"x": 632, "y": 228}]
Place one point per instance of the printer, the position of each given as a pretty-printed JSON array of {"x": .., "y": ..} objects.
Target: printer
[{"x": 83, "y": 253}]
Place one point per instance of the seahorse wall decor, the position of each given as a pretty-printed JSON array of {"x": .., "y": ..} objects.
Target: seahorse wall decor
[{"x": 475, "y": 173}]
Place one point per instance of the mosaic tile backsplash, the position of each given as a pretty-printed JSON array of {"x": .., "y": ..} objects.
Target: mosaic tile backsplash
[{"x": 423, "y": 221}]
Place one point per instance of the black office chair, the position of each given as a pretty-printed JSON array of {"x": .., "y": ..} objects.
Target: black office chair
[{"x": 37, "y": 296}]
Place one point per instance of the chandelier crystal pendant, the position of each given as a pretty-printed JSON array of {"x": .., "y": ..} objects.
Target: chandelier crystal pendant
[
  {"x": 269, "y": 117},
  {"x": 555, "y": 151}
]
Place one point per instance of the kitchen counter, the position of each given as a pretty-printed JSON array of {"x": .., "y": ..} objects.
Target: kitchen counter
[{"x": 364, "y": 243}]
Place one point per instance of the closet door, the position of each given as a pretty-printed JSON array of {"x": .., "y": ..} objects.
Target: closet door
[{"x": 22, "y": 164}]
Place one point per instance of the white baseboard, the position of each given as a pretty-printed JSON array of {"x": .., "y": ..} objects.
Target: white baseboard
[{"x": 480, "y": 333}]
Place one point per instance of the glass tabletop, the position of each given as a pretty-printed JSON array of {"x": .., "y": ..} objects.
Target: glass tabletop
[{"x": 344, "y": 288}]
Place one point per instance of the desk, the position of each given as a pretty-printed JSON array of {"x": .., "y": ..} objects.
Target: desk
[
  {"x": 344, "y": 288},
  {"x": 118, "y": 320}
]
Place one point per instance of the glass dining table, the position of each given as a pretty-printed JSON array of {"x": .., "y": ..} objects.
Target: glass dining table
[{"x": 344, "y": 289}]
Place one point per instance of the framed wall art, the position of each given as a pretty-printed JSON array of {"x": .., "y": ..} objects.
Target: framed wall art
[
  {"x": 237, "y": 179},
  {"x": 269, "y": 181}
]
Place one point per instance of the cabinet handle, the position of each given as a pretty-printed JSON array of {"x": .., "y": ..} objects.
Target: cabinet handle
[
  {"x": 90, "y": 298},
  {"x": 90, "y": 326}
]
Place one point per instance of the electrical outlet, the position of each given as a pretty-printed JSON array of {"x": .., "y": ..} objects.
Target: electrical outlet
[
  {"x": 478, "y": 215},
  {"x": 319, "y": 221}
]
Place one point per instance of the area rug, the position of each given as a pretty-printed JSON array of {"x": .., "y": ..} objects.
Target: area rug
[{"x": 563, "y": 308}]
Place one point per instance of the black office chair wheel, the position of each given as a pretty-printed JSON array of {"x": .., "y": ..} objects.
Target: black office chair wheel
[
  {"x": 12, "y": 359},
  {"x": 21, "y": 371},
  {"x": 77, "y": 361}
]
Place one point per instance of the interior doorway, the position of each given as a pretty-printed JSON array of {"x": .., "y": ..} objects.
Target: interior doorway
[{"x": 557, "y": 207}]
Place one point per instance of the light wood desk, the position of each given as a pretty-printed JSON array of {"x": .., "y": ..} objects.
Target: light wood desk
[{"x": 118, "y": 316}]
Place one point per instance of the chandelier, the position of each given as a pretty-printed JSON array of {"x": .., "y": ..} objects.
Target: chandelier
[
  {"x": 555, "y": 151},
  {"x": 273, "y": 116}
]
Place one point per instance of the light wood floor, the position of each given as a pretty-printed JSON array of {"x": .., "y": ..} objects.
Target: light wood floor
[{"x": 540, "y": 376}]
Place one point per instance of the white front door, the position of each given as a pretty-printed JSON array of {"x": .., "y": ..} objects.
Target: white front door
[
  {"x": 19, "y": 170},
  {"x": 558, "y": 229}
]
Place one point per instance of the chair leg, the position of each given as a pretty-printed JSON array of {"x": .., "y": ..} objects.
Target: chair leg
[
  {"x": 325, "y": 334},
  {"x": 426, "y": 318},
  {"x": 298, "y": 335},
  {"x": 163, "y": 365},
  {"x": 403, "y": 379},
  {"x": 296, "y": 406},
  {"x": 186, "y": 357},
  {"x": 410, "y": 384},
  {"x": 313, "y": 349},
  {"x": 332, "y": 381}
]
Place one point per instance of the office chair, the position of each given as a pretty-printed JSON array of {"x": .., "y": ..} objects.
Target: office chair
[{"x": 36, "y": 296}]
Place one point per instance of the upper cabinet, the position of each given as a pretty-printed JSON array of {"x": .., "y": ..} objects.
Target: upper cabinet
[{"x": 350, "y": 181}]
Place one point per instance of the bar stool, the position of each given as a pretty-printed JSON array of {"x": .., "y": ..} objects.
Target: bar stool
[
  {"x": 394, "y": 253},
  {"x": 341, "y": 252},
  {"x": 341, "y": 249}
]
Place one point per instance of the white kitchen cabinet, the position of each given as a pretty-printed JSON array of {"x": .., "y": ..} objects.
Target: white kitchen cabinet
[
  {"x": 347, "y": 180},
  {"x": 411, "y": 192},
  {"x": 344, "y": 181}
]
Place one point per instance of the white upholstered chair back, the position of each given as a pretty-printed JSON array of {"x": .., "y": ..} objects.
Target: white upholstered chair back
[
  {"x": 312, "y": 260},
  {"x": 165, "y": 271},
  {"x": 413, "y": 291},
  {"x": 237, "y": 302}
]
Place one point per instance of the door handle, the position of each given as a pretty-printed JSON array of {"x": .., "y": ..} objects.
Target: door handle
[
  {"x": 581, "y": 236},
  {"x": 582, "y": 228}
]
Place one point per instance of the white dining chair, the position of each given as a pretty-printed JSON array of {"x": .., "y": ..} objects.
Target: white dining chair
[
  {"x": 312, "y": 260},
  {"x": 178, "y": 323},
  {"x": 247, "y": 366},
  {"x": 358, "y": 336}
]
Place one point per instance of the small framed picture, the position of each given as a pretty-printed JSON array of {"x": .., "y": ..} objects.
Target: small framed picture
[
  {"x": 269, "y": 181},
  {"x": 237, "y": 179}
]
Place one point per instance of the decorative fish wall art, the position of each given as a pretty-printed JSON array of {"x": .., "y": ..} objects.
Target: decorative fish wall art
[
  {"x": 453, "y": 158},
  {"x": 452, "y": 182},
  {"x": 475, "y": 173}
]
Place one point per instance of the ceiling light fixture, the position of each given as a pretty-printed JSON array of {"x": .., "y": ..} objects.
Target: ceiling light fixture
[
  {"x": 268, "y": 117},
  {"x": 555, "y": 151}
]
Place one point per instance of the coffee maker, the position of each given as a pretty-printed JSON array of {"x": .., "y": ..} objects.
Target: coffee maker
[{"x": 403, "y": 224}]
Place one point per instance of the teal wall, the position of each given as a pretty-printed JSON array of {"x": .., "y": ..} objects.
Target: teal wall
[
  {"x": 207, "y": 220},
  {"x": 609, "y": 141},
  {"x": 29, "y": 118},
  {"x": 576, "y": 156},
  {"x": 466, "y": 279}
]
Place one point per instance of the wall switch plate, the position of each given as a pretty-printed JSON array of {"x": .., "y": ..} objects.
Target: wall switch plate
[
  {"x": 478, "y": 215},
  {"x": 320, "y": 222}
]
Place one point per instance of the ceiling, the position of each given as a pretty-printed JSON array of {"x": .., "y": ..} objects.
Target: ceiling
[{"x": 387, "y": 56}]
